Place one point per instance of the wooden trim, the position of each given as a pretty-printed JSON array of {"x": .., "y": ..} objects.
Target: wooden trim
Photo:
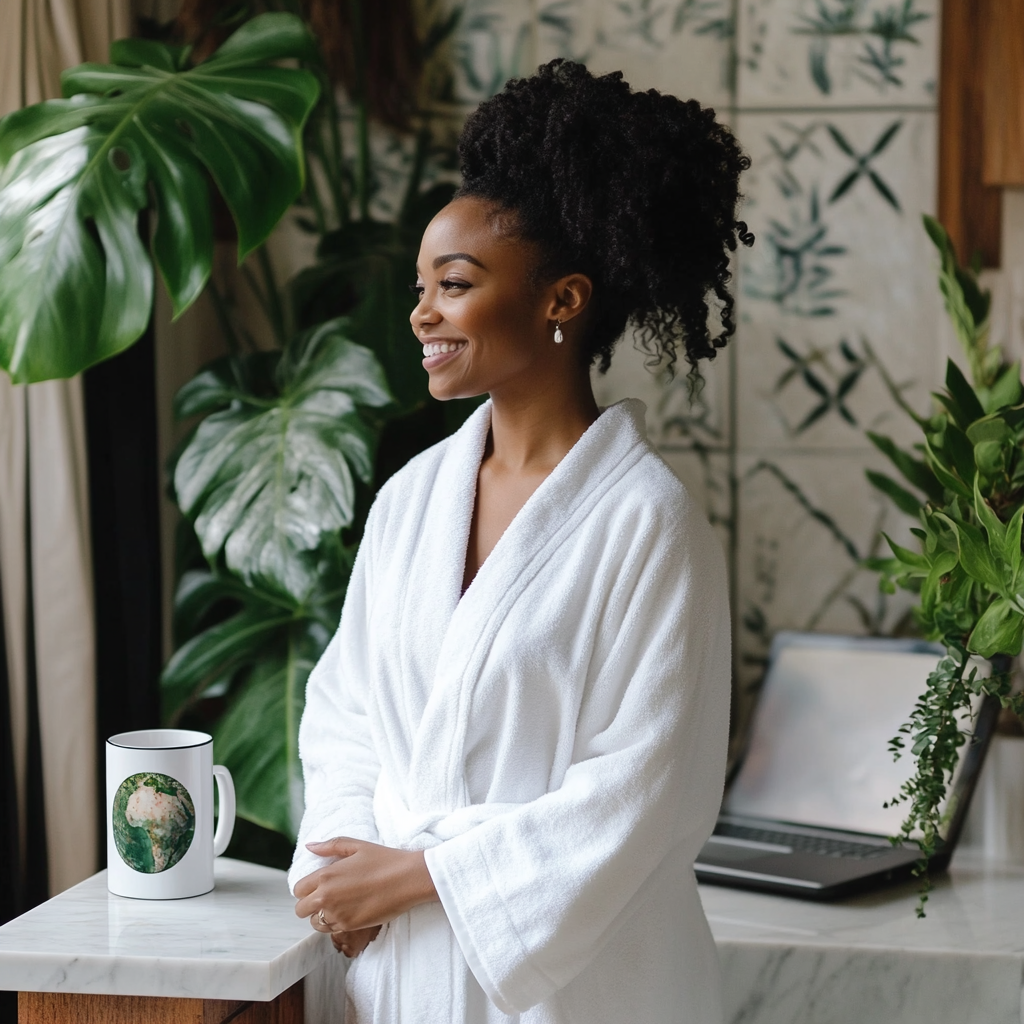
[
  {"x": 70, "y": 1008},
  {"x": 1003, "y": 76},
  {"x": 970, "y": 210}
]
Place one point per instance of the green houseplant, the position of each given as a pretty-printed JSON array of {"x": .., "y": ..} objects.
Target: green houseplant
[
  {"x": 274, "y": 478},
  {"x": 147, "y": 131},
  {"x": 966, "y": 490}
]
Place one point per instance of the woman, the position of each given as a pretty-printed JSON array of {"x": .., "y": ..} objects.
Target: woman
[{"x": 514, "y": 746}]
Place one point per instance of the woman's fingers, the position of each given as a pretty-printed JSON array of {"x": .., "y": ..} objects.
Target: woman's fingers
[
  {"x": 340, "y": 846},
  {"x": 304, "y": 886},
  {"x": 318, "y": 925},
  {"x": 353, "y": 943},
  {"x": 365, "y": 885}
]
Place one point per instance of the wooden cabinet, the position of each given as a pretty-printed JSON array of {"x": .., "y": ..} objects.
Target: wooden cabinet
[
  {"x": 72, "y": 1008},
  {"x": 981, "y": 120}
]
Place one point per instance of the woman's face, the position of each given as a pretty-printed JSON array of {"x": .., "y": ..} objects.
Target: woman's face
[{"x": 484, "y": 324}]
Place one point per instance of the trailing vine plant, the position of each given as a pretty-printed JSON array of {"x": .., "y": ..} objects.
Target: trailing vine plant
[{"x": 966, "y": 489}]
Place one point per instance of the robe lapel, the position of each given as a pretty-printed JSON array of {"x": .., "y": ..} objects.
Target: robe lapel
[
  {"x": 612, "y": 445},
  {"x": 444, "y": 531},
  {"x": 426, "y": 569}
]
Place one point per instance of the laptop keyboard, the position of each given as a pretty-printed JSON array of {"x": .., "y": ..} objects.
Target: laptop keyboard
[{"x": 804, "y": 843}]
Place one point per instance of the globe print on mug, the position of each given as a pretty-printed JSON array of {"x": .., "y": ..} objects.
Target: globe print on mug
[{"x": 154, "y": 821}]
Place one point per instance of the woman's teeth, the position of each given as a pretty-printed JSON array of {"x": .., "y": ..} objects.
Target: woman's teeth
[{"x": 438, "y": 348}]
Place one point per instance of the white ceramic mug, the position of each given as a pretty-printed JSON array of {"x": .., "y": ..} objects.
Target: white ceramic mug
[{"x": 160, "y": 838}]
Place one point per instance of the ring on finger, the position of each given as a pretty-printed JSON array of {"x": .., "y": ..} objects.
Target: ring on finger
[{"x": 323, "y": 920}]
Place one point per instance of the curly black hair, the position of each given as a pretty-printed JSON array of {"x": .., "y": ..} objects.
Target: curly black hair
[{"x": 637, "y": 190}]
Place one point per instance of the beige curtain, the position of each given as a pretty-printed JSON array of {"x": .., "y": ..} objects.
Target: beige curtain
[{"x": 42, "y": 449}]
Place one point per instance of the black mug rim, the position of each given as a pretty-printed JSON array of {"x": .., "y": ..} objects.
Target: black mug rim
[{"x": 113, "y": 740}]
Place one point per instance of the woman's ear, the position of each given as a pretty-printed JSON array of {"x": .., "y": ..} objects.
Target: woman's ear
[{"x": 570, "y": 297}]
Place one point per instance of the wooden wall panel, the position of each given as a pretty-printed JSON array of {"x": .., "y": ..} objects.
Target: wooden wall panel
[
  {"x": 1003, "y": 70},
  {"x": 970, "y": 210}
]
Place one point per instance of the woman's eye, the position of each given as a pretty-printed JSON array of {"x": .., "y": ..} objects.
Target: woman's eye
[{"x": 445, "y": 286}]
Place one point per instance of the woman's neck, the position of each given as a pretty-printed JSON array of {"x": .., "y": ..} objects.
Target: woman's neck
[{"x": 533, "y": 429}]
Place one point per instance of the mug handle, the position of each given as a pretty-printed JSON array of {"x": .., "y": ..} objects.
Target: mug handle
[{"x": 226, "y": 803}]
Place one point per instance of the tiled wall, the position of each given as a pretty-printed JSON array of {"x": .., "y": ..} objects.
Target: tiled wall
[{"x": 839, "y": 314}]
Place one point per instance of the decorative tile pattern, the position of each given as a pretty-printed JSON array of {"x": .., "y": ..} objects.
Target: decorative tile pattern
[
  {"x": 684, "y": 47},
  {"x": 839, "y": 289},
  {"x": 805, "y": 523},
  {"x": 496, "y": 41},
  {"x": 814, "y": 53},
  {"x": 680, "y": 415}
]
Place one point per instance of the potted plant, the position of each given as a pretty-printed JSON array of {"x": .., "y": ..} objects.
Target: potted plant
[
  {"x": 278, "y": 472},
  {"x": 964, "y": 483}
]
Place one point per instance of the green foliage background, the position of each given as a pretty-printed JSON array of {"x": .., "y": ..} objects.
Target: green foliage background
[
  {"x": 269, "y": 539},
  {"x": 285, "y": 450},
  {"x": 147, "y": 130},
  {"x": 279, "y": 472},
  {"x": 964, "y": 484}
]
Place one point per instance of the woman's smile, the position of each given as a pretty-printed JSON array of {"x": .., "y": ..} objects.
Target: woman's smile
[
  {"x": 437, "y": 353},
  {"x": 481, "y": 319}
]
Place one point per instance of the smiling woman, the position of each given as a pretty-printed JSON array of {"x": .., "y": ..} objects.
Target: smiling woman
[
  {"x": 481, "y": 313},
  {"x": 485, "y": 323},
  {"x": 514, "y": 746}
]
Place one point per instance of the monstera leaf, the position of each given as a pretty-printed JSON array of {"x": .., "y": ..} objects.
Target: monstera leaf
[
  {"x": 258, "y": 737},
  {"x": 259, "y": 654},
  {"x": 268, "y": 476},
  {"x": 76, "y": 282}
]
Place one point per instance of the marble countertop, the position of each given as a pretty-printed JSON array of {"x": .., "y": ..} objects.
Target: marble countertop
[
  {"x": 975, "y": 908},
  {"x": 785, "y": 961},
  {"x": 241, "y": 941}
]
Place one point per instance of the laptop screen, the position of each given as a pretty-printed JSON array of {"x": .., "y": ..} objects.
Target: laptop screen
[{"x": 819, "y": 748}]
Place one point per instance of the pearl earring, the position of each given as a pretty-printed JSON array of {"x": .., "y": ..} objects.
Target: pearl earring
[{"x": 559, "y": 337}]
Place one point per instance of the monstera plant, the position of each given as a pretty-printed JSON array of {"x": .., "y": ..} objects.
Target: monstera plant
[
  {"x": 267, "y": 481},
  {"x": 964, "y": 485},
  {"x": 275, "y": 481},
  {"x": 147, "y": 131},
  {"x": 285, "y": 450}
]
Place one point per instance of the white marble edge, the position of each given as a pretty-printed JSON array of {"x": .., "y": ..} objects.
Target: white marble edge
[
  {"x": 155, "y": 976},
  {"x": 242, "y": 941},
  {"x": 870, "y": 958},
  {"x": 974, "y": 911}
]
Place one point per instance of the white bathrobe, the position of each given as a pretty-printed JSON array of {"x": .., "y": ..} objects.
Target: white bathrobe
[{"x": 554, "y": 739}]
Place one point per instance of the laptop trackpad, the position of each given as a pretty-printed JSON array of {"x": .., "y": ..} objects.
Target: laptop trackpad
[{"x": 725, "y": 849}]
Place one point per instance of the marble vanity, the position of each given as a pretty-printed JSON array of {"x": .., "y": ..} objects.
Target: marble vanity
[
  {"x": 869, "y": 959},
  {"x": 239, "y": 954}
]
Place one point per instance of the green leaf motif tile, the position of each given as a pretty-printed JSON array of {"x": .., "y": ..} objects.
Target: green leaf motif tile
[
  {"x": 838, "y": 53},
  {"x": 154, "y": 822},
  {"x": 880, "y": 60}
]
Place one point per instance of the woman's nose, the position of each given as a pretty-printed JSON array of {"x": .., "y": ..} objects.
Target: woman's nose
[{"x": 423, "y": 314}]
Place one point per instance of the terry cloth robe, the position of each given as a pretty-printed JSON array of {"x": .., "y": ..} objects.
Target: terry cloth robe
[{"x": 554, "y": 739}]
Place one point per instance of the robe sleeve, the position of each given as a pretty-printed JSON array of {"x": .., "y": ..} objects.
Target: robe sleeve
[
  {"x": 339, "y": 761},
  {"x": 534, "y": 894}
]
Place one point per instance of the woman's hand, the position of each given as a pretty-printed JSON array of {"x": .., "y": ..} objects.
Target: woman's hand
[
  {"x": 353, "y": 943},
  {"x": 366, "y": 887}
]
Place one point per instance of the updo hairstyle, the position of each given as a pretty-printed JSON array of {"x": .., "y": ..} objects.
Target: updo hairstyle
[{"x": 637, "y": 190}]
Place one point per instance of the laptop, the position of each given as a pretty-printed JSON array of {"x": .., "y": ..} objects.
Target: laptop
[{"x": 805, "y": 814}]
